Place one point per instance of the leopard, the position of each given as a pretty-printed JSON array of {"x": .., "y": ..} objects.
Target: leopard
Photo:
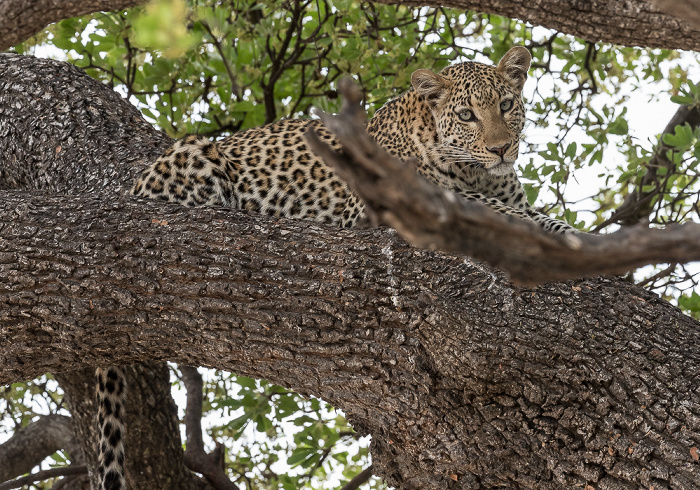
[{"x": 462, "y": 126}]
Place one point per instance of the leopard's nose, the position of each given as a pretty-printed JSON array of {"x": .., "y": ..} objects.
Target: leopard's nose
[{"x": 499, "y": 150}]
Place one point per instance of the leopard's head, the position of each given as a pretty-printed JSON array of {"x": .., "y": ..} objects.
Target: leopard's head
[{"x": 478, "y": 111}]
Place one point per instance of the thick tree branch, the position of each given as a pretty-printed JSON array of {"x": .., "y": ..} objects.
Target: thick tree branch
[
  {"x": 21, "y": 19},
  {"x": 90, "y": 151},
  {"x": 30, "y": 446},
  {"x": 396, "y": 337},
  {"x": 688, "y": 11},
  {"x": 630, "y": 23},
  {"x": 430, "y": 217}
]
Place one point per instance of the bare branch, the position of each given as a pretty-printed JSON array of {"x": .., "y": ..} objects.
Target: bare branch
[
  {"x": 30, "y": 446},
  {"x": 638, "y": 204},
  {"x": 196, "y": 459},
  {"x": 44, "y": 475},
  {"x": 359, "y": 479}
]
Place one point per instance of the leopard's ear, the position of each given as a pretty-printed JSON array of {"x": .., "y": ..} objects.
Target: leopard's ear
[
  {"x": 514, "y": 65},
  {"x": 431, "y": 86}
]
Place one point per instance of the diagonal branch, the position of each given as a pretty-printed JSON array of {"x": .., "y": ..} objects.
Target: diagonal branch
[
  {"x": 359, "y": 479},
  {"x": 639, "y": 203},
  {"x": 430, "y": 217},
  {"x": 42, "y": 475}
]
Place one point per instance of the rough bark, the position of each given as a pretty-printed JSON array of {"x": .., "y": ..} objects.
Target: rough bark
[
  {"x": 21, "y": 19},
  {"x": 29, "y": 446},
  {"x": 629, "y": 23},
  {"x": 463, "y": 380},
  {"x": 153, "y": 438},
  {"x": 446, "y": 364},
  {"x": 85, "y": 147},
  {"x": 688, "y": 11}
]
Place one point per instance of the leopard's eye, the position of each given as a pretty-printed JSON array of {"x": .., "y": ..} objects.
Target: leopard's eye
[
  {"x": 466, "y": 115},
  {"x": 506, "y": 105}
]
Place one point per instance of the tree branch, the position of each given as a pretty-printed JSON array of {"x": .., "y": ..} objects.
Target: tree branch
[
  {"x": 196, "y": 459},
  {"x": 392, "y": 335},
  {"x": 638, "y": 204},
  {"x": 359, "y": 479},
  {"x": 30, "y": 446},
  {"x": 630, "y": 23},
  {"x": 687, "y": 11},
  {"x": 21, "y": 19},
  {"x": 44, "y": 475},
  {"x": 430, "y": 217}
]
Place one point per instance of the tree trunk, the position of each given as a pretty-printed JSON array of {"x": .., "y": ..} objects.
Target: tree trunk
[
  {"x": 86, "y": 147},
  {"x": 462, "y": 379},
  {"x": 153, "y": 437}
]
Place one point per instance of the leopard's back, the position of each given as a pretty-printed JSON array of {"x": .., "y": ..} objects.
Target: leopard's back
[{"x": 268, "y": 169}]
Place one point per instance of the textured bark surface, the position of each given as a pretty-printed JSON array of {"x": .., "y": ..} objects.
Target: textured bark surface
[
  {"x": 448, "y": 366},
  {"x": 153, "y": 437},
  {"x": 38, "y": 440},
  {"x": 463, "y": 380},
  {"x": 630, "y": 22},
  {"x": 21, "y": 19},
  {"x": 86, "y": 146},
  {"x": 686, "y": 10}
]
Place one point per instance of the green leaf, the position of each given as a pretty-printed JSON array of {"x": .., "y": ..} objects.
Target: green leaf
[{"x": 300, "y": 455}]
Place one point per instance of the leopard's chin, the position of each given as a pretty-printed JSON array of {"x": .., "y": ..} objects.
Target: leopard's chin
[{"x": 501, "y": 168}]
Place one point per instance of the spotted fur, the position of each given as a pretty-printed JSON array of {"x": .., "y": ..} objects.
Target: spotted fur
[
  {"x": 463, "y": 126},
  {"x": 111, "y": 394}
]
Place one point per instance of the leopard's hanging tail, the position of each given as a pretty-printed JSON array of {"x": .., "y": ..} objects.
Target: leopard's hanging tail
[{"x": 111, "y": 395}]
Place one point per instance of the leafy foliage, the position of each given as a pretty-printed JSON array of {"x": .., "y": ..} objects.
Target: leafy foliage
[
  {"x": 299, "y": 443},
  {"x": 216, "y": 67}
]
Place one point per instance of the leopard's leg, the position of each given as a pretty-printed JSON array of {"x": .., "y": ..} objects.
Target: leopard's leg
[
  {"x": 547, "y": 223},
  {"x": 550, "y": 224}
]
